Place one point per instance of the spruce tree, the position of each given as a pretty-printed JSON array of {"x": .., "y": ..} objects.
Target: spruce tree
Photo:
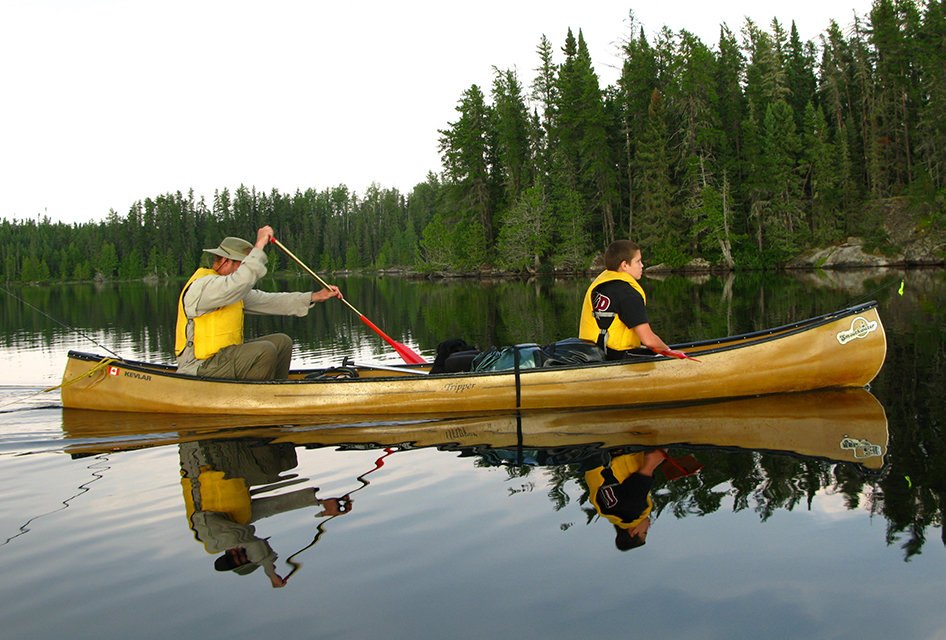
[
  {"x": 545, "y": 96},
  {"x": 657, "y": 225},
  {"x": 637, "y": 83},
  {"x": 466, "y": 154},
  {"x": 511, "y": 124},
  {"x": 525, "y": 236},
  {"x": 931, "y": 118},
  {"x": 783, "y": 213}
]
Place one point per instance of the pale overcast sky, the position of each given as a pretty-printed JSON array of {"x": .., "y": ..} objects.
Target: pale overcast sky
[{"x": 106, "y": 102}]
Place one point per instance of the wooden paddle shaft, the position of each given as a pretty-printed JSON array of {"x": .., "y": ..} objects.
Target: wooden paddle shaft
[
  {"x": 311, "y": 272},
  {"x": 405, "y": 352}
]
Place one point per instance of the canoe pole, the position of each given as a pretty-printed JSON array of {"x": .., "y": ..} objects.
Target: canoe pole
[{"x": 409, "y": 355}]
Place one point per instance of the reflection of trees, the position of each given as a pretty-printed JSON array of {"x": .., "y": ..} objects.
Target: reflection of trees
[
  {"x": 911, "y": 494},
  {"x": 762, "y": 482},
  {"x": 483, "y": 312},
  {"x": 765, "y": 483},
  {"x": 558, "y": 477}
]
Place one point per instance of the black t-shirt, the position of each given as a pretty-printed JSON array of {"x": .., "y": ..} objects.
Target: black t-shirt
[
  {"x": 617, "y": 296},
  {"x": 626, "y": 500}
]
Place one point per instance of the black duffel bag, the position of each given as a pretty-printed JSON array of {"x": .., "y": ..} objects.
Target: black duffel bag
[{"x": 571, "y": 351}]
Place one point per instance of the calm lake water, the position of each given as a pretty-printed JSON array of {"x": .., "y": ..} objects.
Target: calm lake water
[{"x": 813, "y": 515}]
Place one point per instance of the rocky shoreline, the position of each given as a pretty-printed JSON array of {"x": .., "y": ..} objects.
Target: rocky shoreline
[
  {"x": 909, "y": 234},
  {"x": 910, "y": 238},
  {"x": 850, "y": 254}
]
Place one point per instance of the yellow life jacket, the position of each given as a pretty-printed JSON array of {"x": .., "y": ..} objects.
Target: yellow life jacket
[
  {"x": 212, "y": 331},
  {"x": 622, "y": 467},
  {"x": 218, "y": 493},
  {"x": 619, "y": 336}
]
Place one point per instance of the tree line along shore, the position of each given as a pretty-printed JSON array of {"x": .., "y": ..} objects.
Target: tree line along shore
[{"x": 758, "y": 151}]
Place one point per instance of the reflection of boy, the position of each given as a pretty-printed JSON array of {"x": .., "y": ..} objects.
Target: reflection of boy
[{"x": 621, "y": 494}]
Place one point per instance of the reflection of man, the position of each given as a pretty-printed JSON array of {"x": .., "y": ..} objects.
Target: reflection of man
[
  {"x": 216, "y": 479},
  {"x": 620, "y": 492}
]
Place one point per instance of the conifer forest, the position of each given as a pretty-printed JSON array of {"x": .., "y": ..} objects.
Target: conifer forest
[{"x": 742, "y": 152}]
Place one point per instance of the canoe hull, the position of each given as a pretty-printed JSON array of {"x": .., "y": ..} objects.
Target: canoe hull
[
  {"x": 847, "y": 425},
  {"x": 844, "y": 349}
]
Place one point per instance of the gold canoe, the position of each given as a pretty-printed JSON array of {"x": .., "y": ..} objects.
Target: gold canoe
[
  {"x": 847, "y": 425},
  {"x": 841, "y": 349}
]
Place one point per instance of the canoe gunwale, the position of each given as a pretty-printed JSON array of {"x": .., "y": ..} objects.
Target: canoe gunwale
[
  {"x": 809, "y": 354},
  {"x": 756, "y": 337},
  {"x": 698, "y": 348}
]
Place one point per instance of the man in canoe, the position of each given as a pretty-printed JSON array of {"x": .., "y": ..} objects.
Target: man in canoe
[
  {"x": 613, "y": 313},
  {"x": 209, "y": 337}
]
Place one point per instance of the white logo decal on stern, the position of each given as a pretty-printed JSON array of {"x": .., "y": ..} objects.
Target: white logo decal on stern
[
  {"x": 861, "y": 447},
  {"x": 860, "y": 327}
]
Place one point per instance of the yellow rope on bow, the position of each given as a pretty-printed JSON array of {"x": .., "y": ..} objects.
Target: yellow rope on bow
[
  {"x": 98, "y": 367},
  {"x": 104, "y": 362}
]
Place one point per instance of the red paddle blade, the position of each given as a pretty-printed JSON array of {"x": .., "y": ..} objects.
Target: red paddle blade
[
  {"x": 674, "y": 354},
  {"x": 407, "y": 354},
  {"x": 680, "y": 467}
]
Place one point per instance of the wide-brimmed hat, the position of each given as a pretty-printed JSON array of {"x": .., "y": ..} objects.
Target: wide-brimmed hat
[
  {"x": 232, "y": 248},
  {"x": 227, "y": 563}
]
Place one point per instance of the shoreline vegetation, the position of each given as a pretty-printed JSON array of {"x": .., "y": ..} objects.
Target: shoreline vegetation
[{"x": 759, "y": 152}]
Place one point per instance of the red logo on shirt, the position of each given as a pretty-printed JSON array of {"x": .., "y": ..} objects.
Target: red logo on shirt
[
  {"x": 610, "y": 500},
  {"x": 602, "y": 302}
]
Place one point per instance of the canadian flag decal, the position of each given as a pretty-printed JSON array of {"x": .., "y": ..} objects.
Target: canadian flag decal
[{"x": 113, "y": 371}]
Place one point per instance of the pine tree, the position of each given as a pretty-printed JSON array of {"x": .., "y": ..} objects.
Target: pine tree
[
  {"x": 766, "y": 78},
  {"x": 694, "y": 110},
  {"x": 466, "y": 153},
  {"x": 572, "y": 239},
  {"x": 800, "y": 73},
  {"x": 657, "y": 226},
  {"x": 637, "y": 83},
  {"x": 822, "y": 175},
  {"x": 894, "y": 26},
  {"x": 107, "y": 261},
  {"x": 731, "y": 108},
  {"x": 864, "y": 107},
  {"x": 580, "y": 130},
  {"x": 833, "y": 92},
  {"x": 132, "y": 266},
  {"x": 782, "y": 215},
  {"x": 545, "y": 95},
  {"x": 511, "y": 124},
  {"x": 525, "y": 237},
  {"x": 931, "y": 125},
  {"x": 436, "y": 245},
  {"x": 712, "y": 220}
]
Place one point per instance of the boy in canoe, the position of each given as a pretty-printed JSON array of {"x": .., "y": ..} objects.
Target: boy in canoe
[
  {"x": 209, "y": 335},
  {"x": 613, "y": 313}
]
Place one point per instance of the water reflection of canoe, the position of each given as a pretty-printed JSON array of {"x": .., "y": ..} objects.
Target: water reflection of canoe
[
  {"x": 845, "y": 425},
  {"x": 841, "y": 349}
]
